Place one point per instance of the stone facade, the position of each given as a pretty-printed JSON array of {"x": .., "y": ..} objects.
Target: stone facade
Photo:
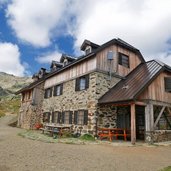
[
  {"x": 71, "y": 100},
  {"x": 31, "y": 111},
  {"x": 158, "y": 136}
]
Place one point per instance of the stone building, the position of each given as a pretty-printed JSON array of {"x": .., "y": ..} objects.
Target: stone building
[{"x": 94, "y": 91}]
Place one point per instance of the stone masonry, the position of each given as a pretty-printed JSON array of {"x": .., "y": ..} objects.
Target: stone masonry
[{"x": 71, "y": 100}]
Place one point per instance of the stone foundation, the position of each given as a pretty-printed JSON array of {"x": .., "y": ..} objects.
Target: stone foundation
[{"x": 158, "y": 136}]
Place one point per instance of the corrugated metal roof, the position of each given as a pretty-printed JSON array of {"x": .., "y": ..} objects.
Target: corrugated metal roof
[{"x": 134, "y": 83}]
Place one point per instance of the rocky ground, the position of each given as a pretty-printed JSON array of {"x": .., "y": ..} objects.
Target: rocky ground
[{"x": 21, "y": 154}]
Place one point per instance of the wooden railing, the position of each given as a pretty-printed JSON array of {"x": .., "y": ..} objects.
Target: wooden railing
[{"x": 109, "y": 133}]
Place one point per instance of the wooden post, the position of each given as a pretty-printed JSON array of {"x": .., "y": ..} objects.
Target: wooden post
[{"x": 133, "y": 124}]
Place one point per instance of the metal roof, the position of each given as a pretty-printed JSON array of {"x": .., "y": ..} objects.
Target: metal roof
[{"x": 134, "y": 83}]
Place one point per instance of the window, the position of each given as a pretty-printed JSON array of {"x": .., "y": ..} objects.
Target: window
[
  {"x": 82, "y": 83},
  {"x": 56, "y": 117},
  {"x": 58, "y": 90},
  {"x": 167, "y": 82},
  {"x": 67, "y": 117},
  {"x": 88, "y": 50},
  {"x": 46, "y": 117},
  {"x": 123, "y": 60},
  {"x": 48, "y": 93},
  {"x": 81, "y": 117}
]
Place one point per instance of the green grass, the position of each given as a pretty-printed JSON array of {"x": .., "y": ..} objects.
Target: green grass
[
  {"x": 37, "y": 135},
  {"x": 166, "y": 169},
  {"x": 87, "y": 137},
  {"x": 9, "y": 106}
]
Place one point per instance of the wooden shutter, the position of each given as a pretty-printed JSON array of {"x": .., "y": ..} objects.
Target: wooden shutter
[
  {"x": 75, "y": 117},
  {"x": 120, "y": 58},
  {"x": 48, "y": 116},
  {"x": 54, "y": 91},
  {"x": 53, "y": 117},
  {"x": 167, "y": 83},
  {"x": 63, "y": 117},
  {"x": 61, "y": 89},
  {"x": 59, "y": 117},
  {"x": 77, "y": 84},
  {"x": 87, "y": 81},
  {"x": 51, "y": 92},
  {"x": 85, "y": 117},
  {"x": 70, "y": 117},
  {"x": 45, "y": 94}
]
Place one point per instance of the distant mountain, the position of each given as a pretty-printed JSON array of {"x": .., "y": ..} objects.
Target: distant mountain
[{"x": 9, "y": 84}]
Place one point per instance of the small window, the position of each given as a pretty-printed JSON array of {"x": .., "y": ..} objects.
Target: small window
[
  {"x": 82, "y": 83},
  {"x": 46, "y": 117},
  {"x": 87, "y": 51},
  {"x": 81, "y": 117},
  {"x": 67, "y": 117},
  {"x": 56, "y": 117},
  {"x": 48, "y": 93},
  {"x": 123, "y": 60},
  {"x": 167, "y": 82},
  {"x": 58, "y": 90}
]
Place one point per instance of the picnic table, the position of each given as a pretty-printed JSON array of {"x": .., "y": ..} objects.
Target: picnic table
[
  {"x": 56, "y": 129},
  {"x": 113, "y": 132}
]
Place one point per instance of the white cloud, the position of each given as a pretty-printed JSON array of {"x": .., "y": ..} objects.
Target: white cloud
[
  {"x": 47, "y": 58},
  {"x": 146, "y": 24},
  {"x": 10, "y": 59},
  {"x": 34, "y": 21}
]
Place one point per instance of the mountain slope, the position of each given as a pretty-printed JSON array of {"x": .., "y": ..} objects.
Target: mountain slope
[{"x": 9, "y": 84}]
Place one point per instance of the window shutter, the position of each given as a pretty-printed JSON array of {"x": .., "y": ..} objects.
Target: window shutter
[
  {"x": 59, "y": 117},
  {"x": 52, "y": 117},
  {"x": 87, "y": 81},
  {"x": 48, "y": 116},
  {"x": 54, "y": 91},
  {"x": 120, "y": 59},
  {"x": 70, "y": 117},
  {"x": 63, "y": 117},
  {"x": 51, "y": 92},
  {"x": 45, "y": 94},
  {"x": 77, "y": 84},
  {"x": 61, "y": 89},
  {"x": 75, "y": 117},
  {"x": 167, "y": 83},
  {"x": 85, "y": 117}
]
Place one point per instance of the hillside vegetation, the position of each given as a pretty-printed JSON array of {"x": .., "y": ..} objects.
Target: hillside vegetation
[{"x": 9, "y": 84}]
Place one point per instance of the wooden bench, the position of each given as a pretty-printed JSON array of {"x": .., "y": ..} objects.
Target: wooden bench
[{"x": 109, "y": 133}]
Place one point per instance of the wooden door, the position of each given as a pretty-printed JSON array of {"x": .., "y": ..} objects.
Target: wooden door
[{"x": 140, "y": 122}]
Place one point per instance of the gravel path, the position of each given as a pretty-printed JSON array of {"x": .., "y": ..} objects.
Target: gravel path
[{"x": 21, "y": 154}]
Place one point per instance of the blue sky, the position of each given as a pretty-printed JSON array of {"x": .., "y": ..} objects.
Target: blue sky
[{"x": 33, "y": 33}]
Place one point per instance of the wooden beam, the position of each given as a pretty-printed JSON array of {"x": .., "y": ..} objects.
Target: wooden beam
[
  {"x": 133, "y": 124},
  {"x": 140, "y": 103},
  {"x": 159, "y": 116}
]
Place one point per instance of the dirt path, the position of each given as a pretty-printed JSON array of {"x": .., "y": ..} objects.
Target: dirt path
[{"x": 20, "y": 154}]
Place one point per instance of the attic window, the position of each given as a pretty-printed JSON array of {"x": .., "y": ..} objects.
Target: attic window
[
  {"x": 167, "y": 82},
  {"x": 88, "y": 50},
  {"x": 123, "y": 60}
]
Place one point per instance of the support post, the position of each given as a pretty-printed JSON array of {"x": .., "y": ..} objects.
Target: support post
[{"x": 133, "y": 124}]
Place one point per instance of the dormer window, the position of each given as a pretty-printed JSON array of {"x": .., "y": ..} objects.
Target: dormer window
[
  {"x": 65, "y": 62},
  {"x": 88, "y": 50}
]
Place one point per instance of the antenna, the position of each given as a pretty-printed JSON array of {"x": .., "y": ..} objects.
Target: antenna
[{"x": 110, "y": 55}]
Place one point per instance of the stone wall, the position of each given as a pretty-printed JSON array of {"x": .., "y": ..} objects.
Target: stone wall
[
  {"x": 158, "y": 136},
  {"x": 71, "y": 100},
  {"x": 31, "y": 113}
]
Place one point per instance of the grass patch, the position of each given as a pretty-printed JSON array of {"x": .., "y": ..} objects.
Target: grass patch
[
  {"x": 87, "y": 137},
  {"x": 9, "y": 106},
  {"x": 166, "y": 169},
  {"x": 66, "y": 139}
]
